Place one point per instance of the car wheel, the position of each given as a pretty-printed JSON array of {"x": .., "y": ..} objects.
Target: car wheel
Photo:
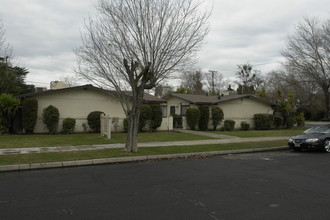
[{"x": 327, "y": 145}]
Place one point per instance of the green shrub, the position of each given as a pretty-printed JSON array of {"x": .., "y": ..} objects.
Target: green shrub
[
  {"x": 229, "y": 125},
  {"x": 29, "y": 114},
  {"x": 300, "y": 119},
  {"x": 217, "y": 116},
  {"x": 291, "y": 120},
  {"x": 50, "y": 118},
  {"x": 263, "y": 121},
  {"x": 94, "y": 121},
  {"x": 278, "y": 121},
  {"x": 145, "y": 116},
  {"x": 157, "y": 116},
  {"x": 193, "y": 116},
  {"x": 8, "y": 109},
  {"x": 204, "y": 117},
  {"x": 68, "y": 125},
  {"x": 245, "y": 125}
]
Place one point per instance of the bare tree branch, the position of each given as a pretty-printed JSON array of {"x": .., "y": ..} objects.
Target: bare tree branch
[
  {"x": 307, "y": 56},
  {"x": 135, "y": 44}
]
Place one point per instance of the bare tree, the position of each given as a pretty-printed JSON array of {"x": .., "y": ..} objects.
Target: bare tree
[
  {"x": 307, "y": 56},
  {"x": 249, "y": 80},
  {"x": 134, "y": 44},
  {"x": 5, "y": 48},
  {"x": 216, "y": 82},
  {"x": 192, "y": 81}
]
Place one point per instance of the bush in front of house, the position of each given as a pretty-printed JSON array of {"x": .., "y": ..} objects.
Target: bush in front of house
[
  {"x": 29, "y": 115},
  {"x": 8, "y": 109},
  {"x": 193, "y": 116},
  {"x": 278, "y": 121},
  {"x": 94, "y": 121},
  {"x": 204, "y": 117},
  {"x": 145, "y": 116},
  {"x": 229, "y": 125},
  {"x": 68, "y": 125},
  {"x": 50, "y": 118},
  {"x": 216, "y": 116},
  {"x": 157, "y": 116},
  {"x": 245, "y": 125},
  {"x": 263, "y": 121}
]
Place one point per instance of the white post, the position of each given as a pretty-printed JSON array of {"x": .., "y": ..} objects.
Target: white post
[{"x": 102, "y": 124}]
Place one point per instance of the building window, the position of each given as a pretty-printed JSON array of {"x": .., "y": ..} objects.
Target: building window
[
  {"x": 164, "y": 111},
  {"x": 184, "y": 109}
]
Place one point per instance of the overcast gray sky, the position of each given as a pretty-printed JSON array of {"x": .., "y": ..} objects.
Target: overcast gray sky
[{"x": 45, "y": 33}]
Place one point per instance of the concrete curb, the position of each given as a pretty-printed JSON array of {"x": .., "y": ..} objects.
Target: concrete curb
[{"x": 63, "y": 164}]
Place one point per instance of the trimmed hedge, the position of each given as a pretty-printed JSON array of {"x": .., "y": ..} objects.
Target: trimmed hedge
[
  {"x": 8, "y": 109},
  {"x": 229, "y": 125},
  {"x": 50, "y": 118},
  {"x": 68, "y": 125},
  {"x": 278, "y": 121},
  {"x": 204, "y": 117},
  {"x": 217, "y": 116},
  {"x": 245, "y": 125},
  {"x": 145, "y": 116},
  {"x": 29, "y": 115},
  {"x": 193, "y": 116},
  {"x": 94, "y": 121},
  {"x": 263, "y": 121},
  {"x": 157, "y": 116}
]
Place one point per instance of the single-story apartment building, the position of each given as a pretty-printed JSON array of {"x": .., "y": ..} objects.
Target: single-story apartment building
[
  {"x": 77, "y": 102},
  {"x": 235, "y": 107}
]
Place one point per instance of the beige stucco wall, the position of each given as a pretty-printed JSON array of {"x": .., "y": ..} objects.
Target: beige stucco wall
[
  {"x": 78, "y": 104},
  {"x": 243, "y": 110},
  {"x": 173, "y": 101},
  {"x": 239, "y": 110}
]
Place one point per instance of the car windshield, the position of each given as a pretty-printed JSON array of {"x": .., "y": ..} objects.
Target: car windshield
[{"x": 318, "y": 130}]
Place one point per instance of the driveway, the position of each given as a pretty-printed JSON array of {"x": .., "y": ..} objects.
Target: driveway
[{"x": 269, "y": 185}]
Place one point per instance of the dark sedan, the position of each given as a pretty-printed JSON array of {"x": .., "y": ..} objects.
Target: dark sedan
[{"x": 313, "y": 138}]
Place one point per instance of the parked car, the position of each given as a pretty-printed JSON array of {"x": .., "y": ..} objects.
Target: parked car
[{"x": 313, "y": 138}]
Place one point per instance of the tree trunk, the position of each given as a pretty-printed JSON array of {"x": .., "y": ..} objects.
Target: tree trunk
[{"x": 133, "y": 121}]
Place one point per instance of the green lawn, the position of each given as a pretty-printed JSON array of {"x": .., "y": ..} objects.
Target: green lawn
[
  {"x": 24, "y": 141},
  {"x": 263, "y": 133},
  {"x": 111, "y": 153}
]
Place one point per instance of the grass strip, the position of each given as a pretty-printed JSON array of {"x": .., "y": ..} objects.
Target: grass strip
[
  {"x": 114, "y": 153},
  {"x": 27, "y": 141}
]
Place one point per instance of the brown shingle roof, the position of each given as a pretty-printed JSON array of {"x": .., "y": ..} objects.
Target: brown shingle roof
[
  {"x": 146, "y": 98},
  {"x": 213, "y": 100}
]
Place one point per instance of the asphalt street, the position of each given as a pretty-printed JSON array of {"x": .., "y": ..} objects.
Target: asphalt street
[{"x": 269, "y": 185}]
